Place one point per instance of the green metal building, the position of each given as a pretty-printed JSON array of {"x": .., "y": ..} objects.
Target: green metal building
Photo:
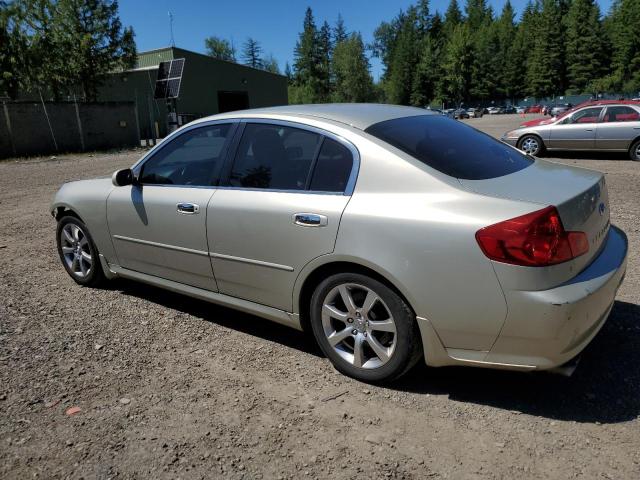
[{"x": 209, "y": 86}]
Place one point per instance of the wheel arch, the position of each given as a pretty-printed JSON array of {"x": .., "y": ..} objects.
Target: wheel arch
[
  {"x": 313, "y": 276},
  {"x": 531, "y": 134},
  {"x": 632, "y": 144},
  {"x": 63, "y": 210}
]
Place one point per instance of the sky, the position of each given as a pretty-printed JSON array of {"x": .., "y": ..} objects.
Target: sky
[{"x": 274, "y": 23}]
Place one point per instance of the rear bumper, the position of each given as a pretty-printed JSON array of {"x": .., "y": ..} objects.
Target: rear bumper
[{"x": 545, "y": 329}]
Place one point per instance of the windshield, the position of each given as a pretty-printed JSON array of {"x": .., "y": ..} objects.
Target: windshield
[{"x": 451, "y": 147}]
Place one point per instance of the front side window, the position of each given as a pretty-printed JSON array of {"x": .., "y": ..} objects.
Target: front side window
[
  {"x": 451, "y": 147},
  {"x": 192, "y": 159},
  {"x": 587, "y": 115},
  {"x": 621, "y": 114},
  {"x": 274, "y": 157}
]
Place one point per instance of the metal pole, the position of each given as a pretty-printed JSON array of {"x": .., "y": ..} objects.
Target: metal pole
[
  {"x": 6, "y": 117},
  {"x": 135, "y": 96},
  {"x": 55, "y": 144},
  {"x": 151, "y": 129},
  {"x": 75, "y": 102}
]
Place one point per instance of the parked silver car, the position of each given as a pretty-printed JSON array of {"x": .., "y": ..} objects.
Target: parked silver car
[
  {"x": 611, "y": 127},
  {"x": 389, "y": 232}
]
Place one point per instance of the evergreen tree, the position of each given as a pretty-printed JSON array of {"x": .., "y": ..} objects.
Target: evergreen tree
[
  {"x": 353, "y": 82},
  {"x": 307, "y": 74},
  {"x": 583, "y": 45},
  {"x": 14, "y": 58},
  {"x": 452, "y": 18},
  {"x": 404, "y": 61},
  {"x": 270, "y": 64},
  {"x": 340, "y": 31},
  {"x": 479, "y": 14},
  {"x": 457, "y": 65},
  {"x": 251, "y": 53},
  {"x": 506, "y": 33},
  {"x": 288, "y": 73},
  {"x": 324, "y": 65},
  {"x": 546, "y": 58},
  {"x": 385, "y": 37},
  {"x": 622, "y": 29},
  {"x": 220, "y": 48},
  {"x": 427, "y": 73}
]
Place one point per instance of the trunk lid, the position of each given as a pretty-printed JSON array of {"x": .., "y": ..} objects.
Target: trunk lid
[{"x": 580, "y": 195}]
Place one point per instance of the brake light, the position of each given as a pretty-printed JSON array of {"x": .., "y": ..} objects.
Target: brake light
[{"x": 536, "y": 239}]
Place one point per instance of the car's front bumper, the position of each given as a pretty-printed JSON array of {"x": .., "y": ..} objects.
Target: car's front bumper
[
  {"x": 510, "y": 140},
  {"x": 545, "y": 329}
]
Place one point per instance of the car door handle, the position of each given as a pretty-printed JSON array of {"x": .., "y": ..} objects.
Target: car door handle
[
  {"x": 589, "y": 129},
  {"x": 188, "y": 208},
  {"x": 310, "y": 220}
]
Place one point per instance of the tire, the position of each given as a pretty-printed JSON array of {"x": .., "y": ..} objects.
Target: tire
[
  {"x": 78, "y": 252},
  {"x": 386, "y": 330},
  {"x": 634, "y": 151},
  {"x": 532, "y": 145}
]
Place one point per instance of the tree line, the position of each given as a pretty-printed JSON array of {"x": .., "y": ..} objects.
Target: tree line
[
  {"x": 251, "y": 54},
  {"x": 61, "y": 46},
  {"x": 557, "y": 47}
]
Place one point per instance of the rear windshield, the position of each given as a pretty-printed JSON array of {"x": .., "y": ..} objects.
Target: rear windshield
[{"x": 451, "y": 147}]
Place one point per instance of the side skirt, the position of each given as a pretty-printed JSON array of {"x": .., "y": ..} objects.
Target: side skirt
[{"x": 264, "y": 311}]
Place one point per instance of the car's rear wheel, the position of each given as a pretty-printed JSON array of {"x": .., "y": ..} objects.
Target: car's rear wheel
[
  {"x": 364, "y": 327},
  {"x": 531, "y": 144},
  {"x": 634, "y": 152},
  {"x": 78, "y": 253}
]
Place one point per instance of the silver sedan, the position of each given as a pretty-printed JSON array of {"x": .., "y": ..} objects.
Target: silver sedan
[
  {"x": 389, "y": 233},
  {"x": 610, "y": 127}
]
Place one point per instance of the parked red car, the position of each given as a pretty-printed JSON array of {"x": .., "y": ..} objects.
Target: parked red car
[
  {"x": 543, "y": 121},
  {"x": 534, "y": 109}
]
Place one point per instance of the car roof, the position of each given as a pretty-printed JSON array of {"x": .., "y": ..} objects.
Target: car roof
[{"x": 358, "y": 115}]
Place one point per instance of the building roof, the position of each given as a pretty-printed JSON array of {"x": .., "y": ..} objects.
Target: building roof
[
  {"x": 358, "y": 115},
  {"x": 150, "y": 59}
]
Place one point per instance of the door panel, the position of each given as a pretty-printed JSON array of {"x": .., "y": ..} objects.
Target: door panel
[
  {"x": 621, "y": 124},
  {"x": 151, "y": 236},
  {"x": 573, "y": 137},
  {"x": 577, "y": 132},
  {"x": 257, "y": 248}
]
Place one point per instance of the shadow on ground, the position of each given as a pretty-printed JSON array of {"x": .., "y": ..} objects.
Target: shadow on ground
[
  {"x": 592, "y": 155},
  {"x": 605, "y": 387},
  {"x": 226, "y": 317}
]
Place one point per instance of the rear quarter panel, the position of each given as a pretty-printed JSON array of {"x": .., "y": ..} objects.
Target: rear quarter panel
[{"x": 419, "y": 232}]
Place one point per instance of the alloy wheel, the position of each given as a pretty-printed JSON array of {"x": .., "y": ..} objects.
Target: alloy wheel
[
  {"x": 359, "y": 325},
  {"x": 530, "y": 145},
  {"x": 76, "y": 250}
]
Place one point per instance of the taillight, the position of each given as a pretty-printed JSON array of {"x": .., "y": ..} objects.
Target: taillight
[{"x": 536, "y": 239}]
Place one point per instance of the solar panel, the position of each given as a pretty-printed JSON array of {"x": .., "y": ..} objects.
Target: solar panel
[
  {"x": 169, "y": 78},
  {"x": 176, "y": 68},
  {"x": 173, "y": 87}
]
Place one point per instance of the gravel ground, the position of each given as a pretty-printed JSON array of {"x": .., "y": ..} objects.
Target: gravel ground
[{"x": 171, "y": 387}]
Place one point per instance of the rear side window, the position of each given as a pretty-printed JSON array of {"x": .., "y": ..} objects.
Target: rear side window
[
  {"x": 451, "y": 147},
  {"x": 274, "y": 157},
  {"x": 621, "y": 114},
  {"x": 333, "y": 167}
]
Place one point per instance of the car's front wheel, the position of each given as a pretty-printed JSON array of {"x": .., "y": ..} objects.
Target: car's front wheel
[
  {"x": 634, "y": 152},
  {"x": 78, "y": 253},
  {"x": 364, "y": 327},
  {"x": 531, "y": 144}
]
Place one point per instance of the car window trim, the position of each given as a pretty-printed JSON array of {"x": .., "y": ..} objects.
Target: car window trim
[
  {"x": 233, "y": 122},
  {"x": 231, "y": 156}
]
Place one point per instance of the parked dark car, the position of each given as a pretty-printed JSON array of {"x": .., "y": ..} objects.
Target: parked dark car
[{"x": 460, "y": 113}]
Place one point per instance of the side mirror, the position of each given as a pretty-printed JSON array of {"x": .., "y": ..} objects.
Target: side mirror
[{"x": 121, "y": 178}]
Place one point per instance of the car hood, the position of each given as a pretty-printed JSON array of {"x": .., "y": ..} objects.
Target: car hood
[{"x": 538, "y": 121}]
